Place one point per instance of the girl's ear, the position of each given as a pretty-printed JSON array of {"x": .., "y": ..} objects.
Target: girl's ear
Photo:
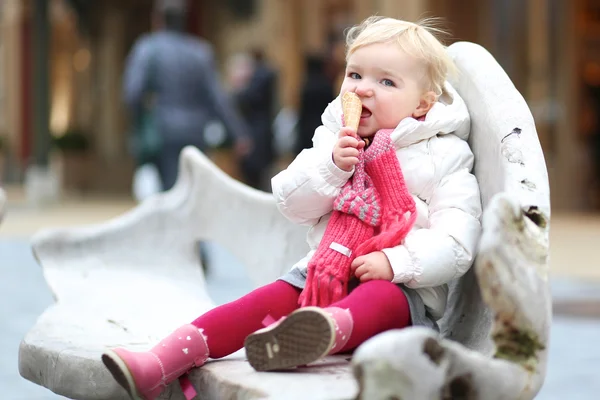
[{"x": 427, "y": 101}]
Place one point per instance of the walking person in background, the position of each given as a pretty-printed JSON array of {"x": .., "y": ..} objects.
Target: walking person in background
[
  {"x": 317, "y": 92},
  {"x": 178, "y": 71},
  {"x": 255, "y": 97}
]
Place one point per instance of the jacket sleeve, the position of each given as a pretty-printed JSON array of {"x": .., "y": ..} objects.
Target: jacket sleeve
[
  {"x": 305, "y": 191},
  {"x": 444, "y": 250}
]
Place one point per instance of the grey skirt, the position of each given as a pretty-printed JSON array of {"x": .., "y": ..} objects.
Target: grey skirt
[{"x": 418, "y": 313}]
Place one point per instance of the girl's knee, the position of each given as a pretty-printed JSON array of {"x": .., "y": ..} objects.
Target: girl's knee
[{"x": 388, "y": 292}]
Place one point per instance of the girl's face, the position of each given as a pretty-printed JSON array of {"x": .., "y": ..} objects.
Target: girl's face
[{"x": 388, "y": 82}]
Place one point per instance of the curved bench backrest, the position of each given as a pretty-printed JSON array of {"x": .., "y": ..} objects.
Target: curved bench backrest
[{"x": 508, "y": 158}]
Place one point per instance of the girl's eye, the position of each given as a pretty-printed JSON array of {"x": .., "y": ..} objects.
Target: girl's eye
[
  {"x": 354, "y": 75},
  {"x": 387, "y": 82}
]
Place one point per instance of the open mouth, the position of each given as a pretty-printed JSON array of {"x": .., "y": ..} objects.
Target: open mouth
[{"x": 366, "y": 113}]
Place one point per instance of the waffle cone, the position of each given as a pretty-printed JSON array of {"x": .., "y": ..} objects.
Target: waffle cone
[{"x": 352, "y": 108}]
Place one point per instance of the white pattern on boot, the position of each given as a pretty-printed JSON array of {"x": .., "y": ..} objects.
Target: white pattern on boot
[{"x": 342, "y": 334}]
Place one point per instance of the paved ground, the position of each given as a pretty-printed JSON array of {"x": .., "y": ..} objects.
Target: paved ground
[{"x": 574, "y": 350}]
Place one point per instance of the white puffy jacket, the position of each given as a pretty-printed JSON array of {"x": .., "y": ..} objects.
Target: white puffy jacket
[{"x": 436, "y": 161}]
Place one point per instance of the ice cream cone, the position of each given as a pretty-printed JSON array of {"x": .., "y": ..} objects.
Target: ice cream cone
[{"x": 352, "y": 108}]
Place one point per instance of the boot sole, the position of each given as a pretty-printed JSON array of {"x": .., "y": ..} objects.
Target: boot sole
[
  {"x": 305, "y": 336},
  {"x": 119, "y": 370}
]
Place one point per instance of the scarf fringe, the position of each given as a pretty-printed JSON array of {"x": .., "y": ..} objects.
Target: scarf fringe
[
  {"x": 323, "y": 289},
  {"x": 390, "y": 235}
]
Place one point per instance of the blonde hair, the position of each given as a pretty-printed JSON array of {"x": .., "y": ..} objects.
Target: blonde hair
[{"x": 415, "y": 39}]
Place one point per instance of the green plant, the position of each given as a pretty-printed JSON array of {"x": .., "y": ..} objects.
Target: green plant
[{"x": 72, "y": 140}]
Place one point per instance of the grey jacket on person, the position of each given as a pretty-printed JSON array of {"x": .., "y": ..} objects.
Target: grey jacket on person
[{"x": 179, "y": 69}]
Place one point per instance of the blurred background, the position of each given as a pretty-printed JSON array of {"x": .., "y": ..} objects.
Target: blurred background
[
  {"x": 76, "y": 60},
  {"x": 70, "y": 98}
]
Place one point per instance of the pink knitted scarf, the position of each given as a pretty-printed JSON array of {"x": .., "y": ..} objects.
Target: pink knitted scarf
[{"x": 373, "y": 211}]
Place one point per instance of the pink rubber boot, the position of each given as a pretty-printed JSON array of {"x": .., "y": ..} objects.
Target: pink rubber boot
[
  {"x": 305, "y": 336},
  {"x": 146, "y": 374}
]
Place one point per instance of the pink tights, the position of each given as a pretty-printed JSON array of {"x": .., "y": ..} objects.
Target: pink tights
[{"x": 376, "y": 306}]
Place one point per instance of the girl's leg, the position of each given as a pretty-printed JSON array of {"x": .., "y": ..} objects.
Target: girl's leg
[
  {"x": 225, "y": 327},
  {"x": 311, "y": 333},
  {"x": 375, "y": 306},
  {"x": 217, "y": 333}
]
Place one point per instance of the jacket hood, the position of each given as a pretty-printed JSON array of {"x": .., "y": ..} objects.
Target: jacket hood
[{"x": 448, "y": 115}]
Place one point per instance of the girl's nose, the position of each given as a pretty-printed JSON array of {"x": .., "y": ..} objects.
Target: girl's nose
[{"x": 363, "y": 89}]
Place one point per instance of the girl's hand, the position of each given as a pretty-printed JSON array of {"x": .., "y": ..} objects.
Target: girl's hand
[
  {"x": 372, "y": 266},
  {"x": 345, "y": 151}
]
